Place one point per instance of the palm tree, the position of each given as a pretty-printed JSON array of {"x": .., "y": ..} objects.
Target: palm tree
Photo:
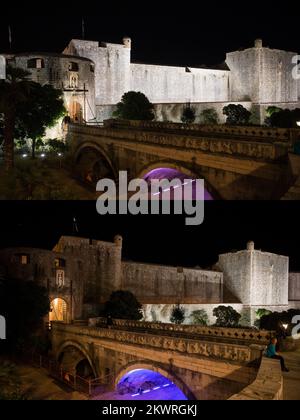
[{"x": 13, "y": 91}]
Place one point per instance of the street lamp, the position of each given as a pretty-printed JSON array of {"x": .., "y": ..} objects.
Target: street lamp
[
  {"x": 60, "y": 155},
  {"x": 285, "y": 326},
  {"x": 298, "y": 123}
]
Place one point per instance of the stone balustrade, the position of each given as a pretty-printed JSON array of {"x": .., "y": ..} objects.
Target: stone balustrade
[
  {"x": 258, "y": 148},
  {"x": 247, "y": 335},
  {"x": 233, "y": 352},
  {"x": 268, "y": 384},
  {"x": 260, "y": 133}
]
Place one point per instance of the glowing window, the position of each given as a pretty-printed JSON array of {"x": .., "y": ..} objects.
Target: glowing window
[
  {"x": 60, "y": 263},
  {"x": 35, "y": 63},
  {"x": 23, "y": 259}
]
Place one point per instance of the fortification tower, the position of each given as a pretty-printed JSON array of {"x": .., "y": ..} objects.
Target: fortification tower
[
  {"x": 262, "y": 75},
  {"x": 255, "y": 277},
  {"x": 112, "y": 67}
]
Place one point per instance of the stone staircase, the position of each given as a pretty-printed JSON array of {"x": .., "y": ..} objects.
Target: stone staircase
[{"x": 293, "y": 192}]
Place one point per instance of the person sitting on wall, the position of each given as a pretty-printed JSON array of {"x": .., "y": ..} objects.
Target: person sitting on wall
[{"x": 272, "y": 354}]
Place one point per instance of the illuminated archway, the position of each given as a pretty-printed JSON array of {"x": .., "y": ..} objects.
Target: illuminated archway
[
  {"x": 58, "y": 310},
  {"x": 146, "y": 382},
  {"x": 171, "y": 172},
  {"x": 75, "y": 112}
]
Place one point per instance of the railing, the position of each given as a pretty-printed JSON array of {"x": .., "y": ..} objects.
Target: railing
[
  {"x": 266, "y": 133},
  {"x": 89, "y": 387},
  {"x": 254, "y": 336}
]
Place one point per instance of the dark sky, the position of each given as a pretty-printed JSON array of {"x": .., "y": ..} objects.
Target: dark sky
[
  {"x": 183, "y": 36},
  {"x": 274, "y": 226}
]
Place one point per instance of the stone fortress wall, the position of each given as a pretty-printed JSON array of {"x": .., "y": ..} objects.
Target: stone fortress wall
[
  {"x": 85, "y": 272},
  {"x": 156, "y": 283},
  {"x": 256, "y": 77}
]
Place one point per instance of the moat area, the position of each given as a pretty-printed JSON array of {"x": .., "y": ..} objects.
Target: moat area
[{"x": 38, "y": 385}]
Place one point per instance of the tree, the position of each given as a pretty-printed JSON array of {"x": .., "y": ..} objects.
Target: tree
[
  {"x": 14, "y": 91},
  {"x": 135, "y": 106},
  {"x": 123, "y": 305},
  {"x": 285, "y": 118},
  {"x": 236, "y": 115},
  {"x": 56, "y": 146},
  {"x": 259, "y": 314},
  {"x": 226, "y": 316},
  {"x": 23, "y": 304},
  {"x": 41, "y": 111},
  {"x": 177, "y": 315},
  {"x": 188, "y": 115},
  {"x": 209, "y": 117},
  {"x": 274, "y": 321},
  {"x": 199, "y": 317},
  {"x": 269, "y": 112}
]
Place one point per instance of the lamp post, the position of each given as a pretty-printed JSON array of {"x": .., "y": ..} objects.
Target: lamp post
[
  {"x": 285, "y": 327},
  {"x": 60, "y": 155}
]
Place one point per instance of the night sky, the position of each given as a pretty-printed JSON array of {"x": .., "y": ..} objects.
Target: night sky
[
  {"x": 274, "y": 226},
  {"x": 184, "y": 36}
]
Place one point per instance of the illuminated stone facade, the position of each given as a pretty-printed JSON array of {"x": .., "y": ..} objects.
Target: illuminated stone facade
[
  {"x": 257, "y": 77},
  {"x": 83, "y": 273},
  {"x": 95, "y": 75}
]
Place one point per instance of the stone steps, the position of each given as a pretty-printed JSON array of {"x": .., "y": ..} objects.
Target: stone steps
[{"x": 294, "y": 191}]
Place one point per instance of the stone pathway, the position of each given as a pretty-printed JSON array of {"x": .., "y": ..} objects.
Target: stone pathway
[
  {"x": 291, "y": 380},
  {"x": 38, "y": 385}
]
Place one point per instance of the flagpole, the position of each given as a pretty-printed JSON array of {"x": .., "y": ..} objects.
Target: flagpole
[
  {"x": 9, "y": 38},
  {"x": 83, "y": 29}
]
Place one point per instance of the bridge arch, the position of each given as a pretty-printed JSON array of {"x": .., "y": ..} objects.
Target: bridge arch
[
  {"x": 148, "y": 366},
  {"x": 66, "y": 348},
  {"x": 179, "y": 170},
  {"x": 92, "y": 163}
]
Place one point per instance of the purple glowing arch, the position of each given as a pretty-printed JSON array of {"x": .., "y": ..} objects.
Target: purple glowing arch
[
  {"x": 145, "y": 384},
  {"x": 170, "y": 174}
]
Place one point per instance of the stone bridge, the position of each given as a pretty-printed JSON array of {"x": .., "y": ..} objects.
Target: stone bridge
[
  {"x": 236, "y": 162},
  {"x": 203, "y": 362}
]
